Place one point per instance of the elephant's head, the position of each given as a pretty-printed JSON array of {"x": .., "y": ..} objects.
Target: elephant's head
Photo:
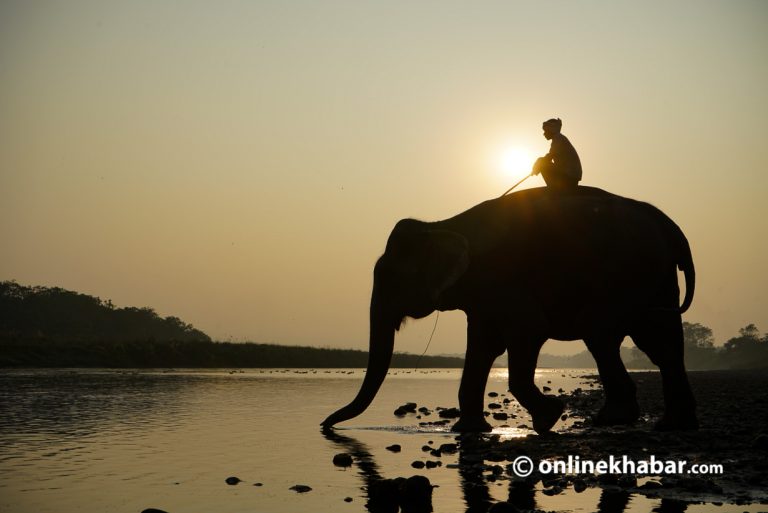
[{"x": 420, "y": 262}]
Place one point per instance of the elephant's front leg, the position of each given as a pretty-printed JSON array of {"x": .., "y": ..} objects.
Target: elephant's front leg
[
  {"x": 483, "y": 347},
  {"x": 545, "y": 410}
]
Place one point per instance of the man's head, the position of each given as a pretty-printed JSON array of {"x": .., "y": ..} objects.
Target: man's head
[{"x": 552, "y": 127}]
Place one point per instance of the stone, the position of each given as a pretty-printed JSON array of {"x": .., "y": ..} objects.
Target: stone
[
  {"x": 232, "y": 480},
  {"x": 418, "y": 464},
  {"x": 449, "y": 413},
  {"x": 448, "y": 448},
  {"x": 394, "y": 448},
  {"x": 300, "y": 488},
  {"x": 342, "y": 460}
]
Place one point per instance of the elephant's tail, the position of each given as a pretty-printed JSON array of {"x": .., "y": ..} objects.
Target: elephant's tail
[
  {"x": 684, "y": 262},
  {"x": 680, "y": 253}
]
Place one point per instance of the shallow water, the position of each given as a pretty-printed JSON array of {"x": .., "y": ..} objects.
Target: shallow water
[{"x": 123, "y": 441}]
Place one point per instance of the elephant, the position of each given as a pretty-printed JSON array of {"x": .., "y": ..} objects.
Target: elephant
[{"x": 539, "y": 264}]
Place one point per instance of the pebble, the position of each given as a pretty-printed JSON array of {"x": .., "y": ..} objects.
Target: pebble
[
  {"x": 394, "y": 448},
  {"x": 342, "y": 460},
  {"x": 300, "y": 488},
  {"x": 449, "y": 413},
  {"x": 232, "y": 480}
]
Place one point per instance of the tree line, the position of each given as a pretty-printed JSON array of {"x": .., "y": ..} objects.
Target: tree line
[
  {"x": 747, "y": 350},
  {"x": 53, "y": 327}
]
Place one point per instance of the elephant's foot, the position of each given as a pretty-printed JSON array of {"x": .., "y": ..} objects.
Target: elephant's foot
[
  {"x": 617, "y": 414},
  {"x": 547, "y": 414},
  {"x": 677, "y": 423},
  {"x": 472, "y": 425}
]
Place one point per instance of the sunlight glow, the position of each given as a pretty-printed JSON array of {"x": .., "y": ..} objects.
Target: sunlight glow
[{"x": 515, "y": 162}]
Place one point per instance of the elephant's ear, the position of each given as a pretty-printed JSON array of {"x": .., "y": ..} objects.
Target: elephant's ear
[{"x": 447, "y": 259}]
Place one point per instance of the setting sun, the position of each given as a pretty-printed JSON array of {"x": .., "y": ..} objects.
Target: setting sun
[{"x": 515, "y": 162}]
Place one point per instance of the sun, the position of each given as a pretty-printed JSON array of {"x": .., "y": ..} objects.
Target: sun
[{"x": 515, "y": 162}]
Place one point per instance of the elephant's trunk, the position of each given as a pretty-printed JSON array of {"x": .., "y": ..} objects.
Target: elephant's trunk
[{"x": 381, "y": 346}]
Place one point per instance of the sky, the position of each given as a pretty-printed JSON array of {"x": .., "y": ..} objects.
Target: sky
[{"x": 240, "y": 164}]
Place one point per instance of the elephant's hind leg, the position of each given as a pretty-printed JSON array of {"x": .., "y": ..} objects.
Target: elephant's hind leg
[
  {"x": 545, "y": 410},
  {"x": 661, "y": 338},
  {"x": 620, "y": 393}
]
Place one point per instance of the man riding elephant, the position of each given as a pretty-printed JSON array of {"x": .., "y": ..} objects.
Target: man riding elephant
[{"x": 561, "y": 167}]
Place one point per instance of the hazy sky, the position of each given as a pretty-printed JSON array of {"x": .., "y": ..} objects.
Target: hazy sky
[{"x": 240, "y": 164}]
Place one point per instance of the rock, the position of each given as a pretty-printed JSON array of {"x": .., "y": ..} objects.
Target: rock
[
  {"x": 342, "y": 460},
  {"x": 651, "y": 485},
  {"x": 418, "y": 464},
  {"x": 405, "y": 409},
  {"x": 348, "y": 499},
  {"x": 426, "y": 448},
  {"x": 449, "y": 413},
  {"x": 579, "y": 485},
  {"x": 153, "y": 510},
  {"x": 258, "y": 484},
  {"x": 232, "y": 480},
  {"x": 394, "y": 448},
  {"x": 555, "y": 490},
  {"x": 448, "y": 448},
  {"x": 500, "y": 416},
  {"x": 300, "y": 488},
  {"x": 432, "y": 464},
  {"x": 493, "y": 394},
  {"x": 494, "y": 406}
]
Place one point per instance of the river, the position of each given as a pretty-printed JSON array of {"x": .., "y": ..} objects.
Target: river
[{"x": 123, "y": 440}]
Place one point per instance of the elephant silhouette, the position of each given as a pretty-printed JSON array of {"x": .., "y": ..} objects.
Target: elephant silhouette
[{"x": 541, "y": 264}]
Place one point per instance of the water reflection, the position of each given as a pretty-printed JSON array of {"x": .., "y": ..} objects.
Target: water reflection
[
  {"x": 56, "y": 414},
  {"x": 523, "y": 494}
]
